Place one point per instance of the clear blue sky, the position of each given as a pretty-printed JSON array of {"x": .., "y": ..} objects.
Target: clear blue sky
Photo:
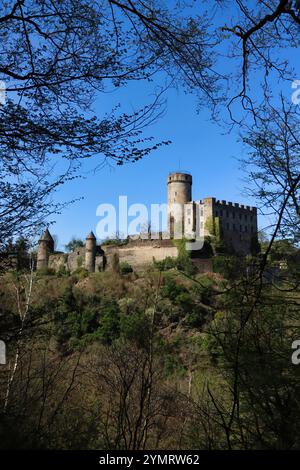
[{"x": 198, "y": 146}]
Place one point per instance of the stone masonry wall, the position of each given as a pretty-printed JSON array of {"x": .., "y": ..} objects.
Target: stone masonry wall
[
  {"x": 140, "y": 255},
  {"x": 137, "y": 253}
]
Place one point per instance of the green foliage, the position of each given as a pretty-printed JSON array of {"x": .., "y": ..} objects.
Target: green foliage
[
  {"x": 231, "y": 267},
  {"x": 185, "y": 303},
  {"x": 19, "y": 251},
  {"x": 217, "y": 229},
  {"x": 172, "y": 289},
  {"x": 192, "y": 328},
  {"x": 215, "y": 239},
  {"x": 62, "y": 271},
  {"x": 109, "y": 324},
  {"x": 83, "y": 319},
  {"x": 74, "y": 243},
  {"x": 136, "y": 327},
  {"x": 267, "y": 382},
  {"x": 46, "y": 272},
  {"x": 80, "y": 320},
  {"x": 210, "y": 226},
  {"x": 79, "y": 261},
  {"x": 115, "y": 241},
  {"x": 183, "y": 261},
  {"x": 80, "y": 273},
  {"x": 283, "y": 250},
  {"x": 125, "y": 268},
  {"x": 195, "y": 319},
  {"x": 165, "y": 264},
  {"x": 173, "y": 366}
]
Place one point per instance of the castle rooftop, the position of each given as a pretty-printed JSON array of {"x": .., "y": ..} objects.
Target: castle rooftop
[
  {"x": 46, "y": 236},
  {"x": 90, "y": 236}
]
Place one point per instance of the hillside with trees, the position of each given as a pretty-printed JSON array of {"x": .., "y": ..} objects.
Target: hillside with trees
[{"x": 148, "y": 359}]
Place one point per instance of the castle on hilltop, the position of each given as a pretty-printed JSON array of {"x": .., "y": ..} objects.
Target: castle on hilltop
[{"x": 232, "y": 224}]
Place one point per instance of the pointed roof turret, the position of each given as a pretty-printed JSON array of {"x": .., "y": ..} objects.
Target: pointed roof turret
[
  {"x": 90, "y": 236},
  {"x": 46, "y": 236}
]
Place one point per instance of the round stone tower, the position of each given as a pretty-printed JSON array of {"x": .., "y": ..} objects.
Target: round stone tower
[
  {"x": 179, "y": 193},
  {"x": 90, "y": 252},
  {"x": 46, "y": 246}
]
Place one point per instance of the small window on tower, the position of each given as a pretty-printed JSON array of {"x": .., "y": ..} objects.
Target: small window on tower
[{"x": 189, "y": 221}]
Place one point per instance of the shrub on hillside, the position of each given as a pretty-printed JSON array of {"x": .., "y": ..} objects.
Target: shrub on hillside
[
  {"x": 125, "y": 268},
  {"x": 165, "y": 264}
]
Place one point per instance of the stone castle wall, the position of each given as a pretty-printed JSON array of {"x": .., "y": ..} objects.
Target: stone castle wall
[
  {"x": 141, "y": 253},
  {"x": 237, "y": 223},
  {"x": 137, "y": 253},
  {"x": 74, "y": 260}
]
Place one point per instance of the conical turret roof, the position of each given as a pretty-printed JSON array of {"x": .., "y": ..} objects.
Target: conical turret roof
[
  {"x": 46, "y": 236},
  {"x": 90, "y": 236}
]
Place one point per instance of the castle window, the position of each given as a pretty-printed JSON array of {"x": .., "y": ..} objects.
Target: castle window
[
  {"x": 240, "y": 228},
  {"x": 201, "y": 212},
  {"x": 227, "y": 214},
  {"x": 217, "y": 213},
  {"x": 227, "y": 226},
  {"x": 189, "y": 212},
  {"x": 189, "y": 221},
  {"x": 246, "y": 228},
  {"x": 233, "y": 215},
  {"x": 240, "y": 216},
  {"x": 221, "y": 213},
  {"x": 245, "y": 216}
]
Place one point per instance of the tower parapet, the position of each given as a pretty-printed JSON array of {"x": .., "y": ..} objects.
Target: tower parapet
[
  {"x": 46, "y": 247},
  {"x": 90, "y": 252}
]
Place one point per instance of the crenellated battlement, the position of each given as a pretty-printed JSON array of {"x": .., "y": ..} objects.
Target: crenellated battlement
[{"x": 236, "y": 205}]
